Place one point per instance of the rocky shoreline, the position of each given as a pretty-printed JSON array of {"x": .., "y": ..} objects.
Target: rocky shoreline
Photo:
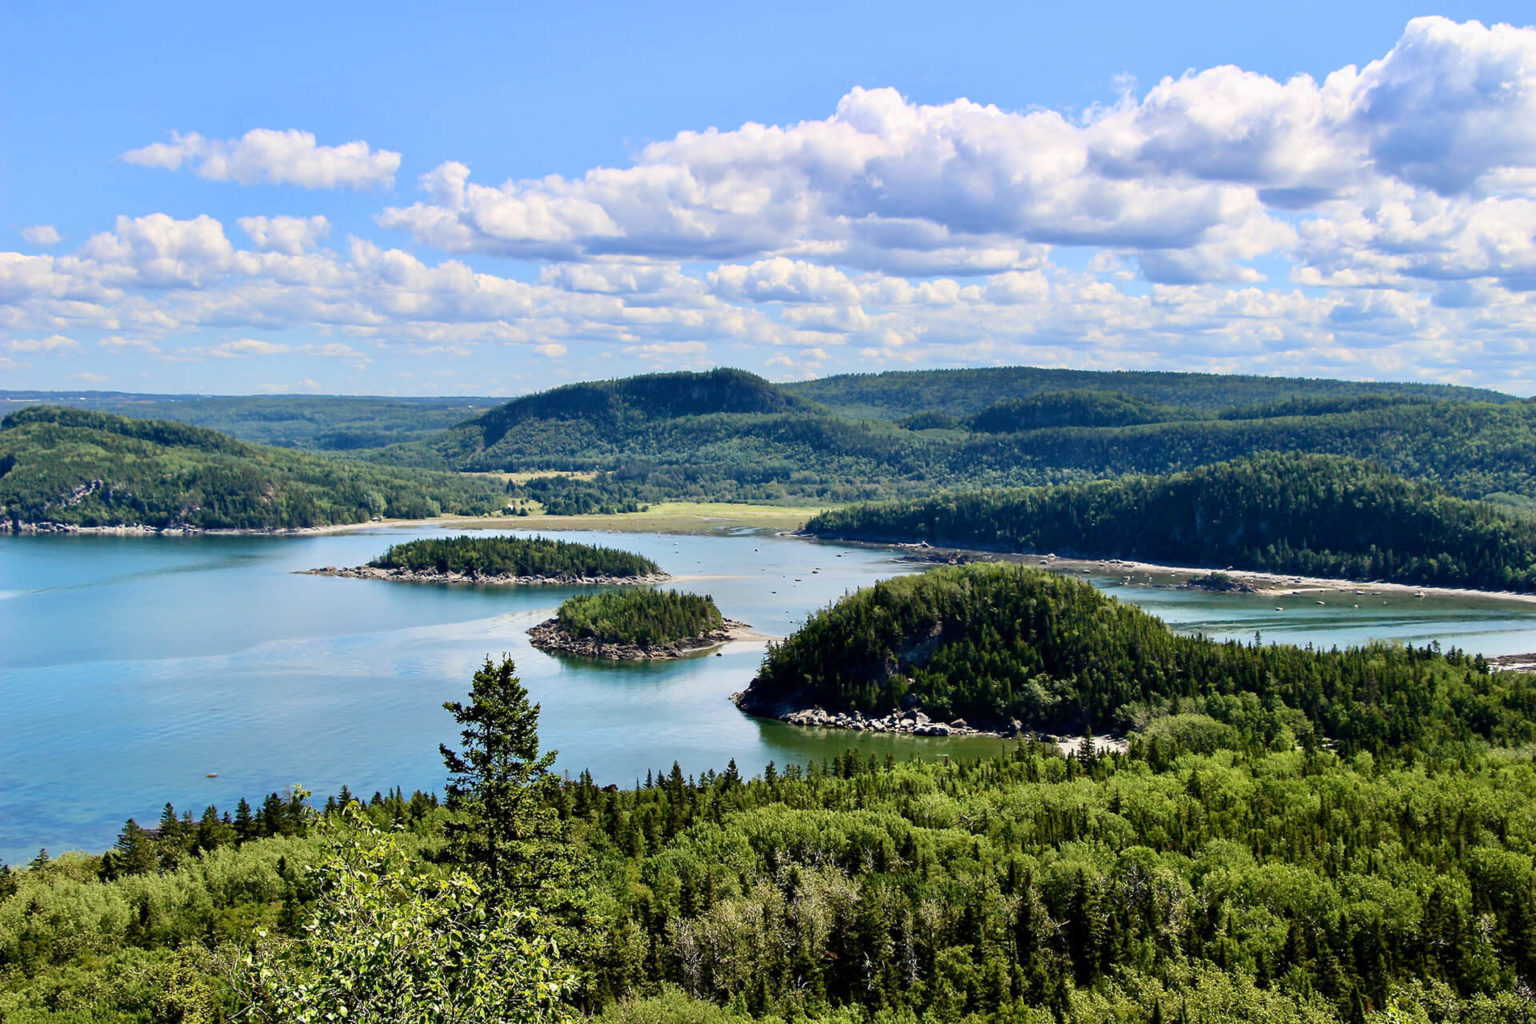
[
  {"x": 143, "y": 530},
  {"x": 913, "y": 722},
  {"x": 547, "y": 636},
  {"x": 370, "y": 572}
]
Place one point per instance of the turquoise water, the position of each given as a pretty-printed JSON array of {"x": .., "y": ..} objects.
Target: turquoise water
[{"x": 131, "y": 668}]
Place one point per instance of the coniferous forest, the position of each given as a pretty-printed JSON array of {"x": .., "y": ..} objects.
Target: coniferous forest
[
  {"x": 643, "y": 617},
  {"x": 1316, "y": 515},
  {"x": 514, "y": 556},
  {"x": 1217, "y": 871}
]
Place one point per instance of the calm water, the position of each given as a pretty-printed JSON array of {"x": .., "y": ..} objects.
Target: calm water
[{"x": 130, "y": 668}]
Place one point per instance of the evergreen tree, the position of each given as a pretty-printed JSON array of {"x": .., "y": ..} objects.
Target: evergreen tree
[{"x": 505, "y": 832}]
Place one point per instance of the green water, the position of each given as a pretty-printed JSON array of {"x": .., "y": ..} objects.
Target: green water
[{"x": 131, "y": 668}]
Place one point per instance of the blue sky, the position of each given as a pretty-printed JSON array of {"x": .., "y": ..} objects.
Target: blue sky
[{"x": 496, "y": 198}]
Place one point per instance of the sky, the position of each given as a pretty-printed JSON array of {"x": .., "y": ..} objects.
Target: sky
[{"x": 491, "y": 199}]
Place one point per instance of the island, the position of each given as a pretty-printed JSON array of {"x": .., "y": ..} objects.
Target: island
[
  {"x": 499, "y": 560},
  {"x": 636, "y": 625}
]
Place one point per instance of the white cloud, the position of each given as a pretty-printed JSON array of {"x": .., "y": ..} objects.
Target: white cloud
[
  {"x": 263, "y": 156},
  {"x": 52, "y": 343},
  {"x": 44, "y": 236},
  {"x": 249, "y": 347},
  {"x": 92, "y": 378},
  {"x": 1380, "y": 221},
  {"x": 291, "y": 235},
  {"x": 117, "y": 343}
]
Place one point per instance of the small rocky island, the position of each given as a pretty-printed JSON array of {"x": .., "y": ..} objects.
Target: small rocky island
[
  {"x": 516, "y": 561},
  {"x": 636, "y": 625}
]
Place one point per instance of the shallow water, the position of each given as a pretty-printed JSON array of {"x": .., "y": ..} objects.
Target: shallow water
[{"x": 132, "y": 667}]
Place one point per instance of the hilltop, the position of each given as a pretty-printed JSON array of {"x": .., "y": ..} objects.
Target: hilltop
[
  {"x": 75, "y": 469},
  {"x": 727, "y": 435},
  {"x": 896, "y": 394}
]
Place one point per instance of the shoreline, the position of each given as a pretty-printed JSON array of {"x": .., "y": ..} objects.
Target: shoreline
[
  {"x": 371, "y": 572},
  {"x": 1263, "y": 584},
  {"x": 547, "y": 637},
  {"x": 914, "y": 722},
  {"x": 677, "y": 517}
]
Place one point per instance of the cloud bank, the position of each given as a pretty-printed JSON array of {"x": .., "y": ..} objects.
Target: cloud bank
[{"x": 1379, "y": 222}]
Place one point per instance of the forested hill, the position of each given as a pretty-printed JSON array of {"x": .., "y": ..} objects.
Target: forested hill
[
  {"x": 1311, "y": 514},
  {"x": 313, "y": 422},
  {"x": 95, "y": 469},
  {"x": 613, "y": 410},
  {"x": 992, "y": 642},
  {"x": 726, "y": 435},
  {"x": 961, "y": 393}
]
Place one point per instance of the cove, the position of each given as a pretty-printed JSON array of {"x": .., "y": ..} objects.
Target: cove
[{"x": 131, "y": 668}]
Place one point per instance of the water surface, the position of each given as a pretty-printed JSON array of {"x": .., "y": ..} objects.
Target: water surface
[{"x": 131, "y": 668}]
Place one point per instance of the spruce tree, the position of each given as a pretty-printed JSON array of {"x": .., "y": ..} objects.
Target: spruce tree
[{"x": 505, "y": 831}]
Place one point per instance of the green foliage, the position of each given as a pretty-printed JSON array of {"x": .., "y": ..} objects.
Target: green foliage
[
  {"x": 95, "y": 469},
  {"x": 1080, "y": 408},
  {"x": 389, "y": 941},
  {"x": 642, "y": 617},
  {"x": 1312, "y": 514},
  {"x": 964, "y": 393},
  {"x": 514, "y": 556},
  {"x": 505, "y": 833},
  {"x": 314, "y": 422},
  {"x": 730, "y": 436},
  {"x": 994, "y": 642}
]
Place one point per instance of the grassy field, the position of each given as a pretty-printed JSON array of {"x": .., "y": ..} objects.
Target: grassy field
[{"x": 664, "y": 517}]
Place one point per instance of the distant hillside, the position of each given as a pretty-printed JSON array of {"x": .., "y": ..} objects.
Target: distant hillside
[
  {"x": 963, "y": 393},
  {"x": 1080, "y": 408},
  {"x": 95, "y": 469},
  {"x": 727, "y": 435},
  {"x": 315, "y": 422},
  {"x": 1311, "y": 514},
  {"x": 992, "y": 643},
  {"x": 610, "y": 412}
]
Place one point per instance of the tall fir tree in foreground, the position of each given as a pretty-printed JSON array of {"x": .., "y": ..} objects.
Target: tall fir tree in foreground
[{"x": 506, "y": 831}]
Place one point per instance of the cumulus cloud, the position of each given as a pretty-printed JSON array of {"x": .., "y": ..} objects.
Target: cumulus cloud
[
  {"x": 44, "y": 236},
  {"x": 263, "y": 156},
  {"x": 1379, "y": 221},
  {"x": 117, "y": 343},
  {"x": 52, "y": 343},
  {"x": 1197, "y": 178},
  {"x": 291, "y": 235}
]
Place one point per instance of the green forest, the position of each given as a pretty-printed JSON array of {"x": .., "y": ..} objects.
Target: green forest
[
  {"x": 642, "y": 617},
  {"x": 96, "y": 469},
  {"x": 514, "y": 556},
  {"x": 1305, "y": 514},
  {"x": 994, "y": 643},
  {"x": 728, "y": 435},
  {"x": 1214, "y": 872},
  {"x": 339, "y": 423},
  {"x": 732, "y": 436}
]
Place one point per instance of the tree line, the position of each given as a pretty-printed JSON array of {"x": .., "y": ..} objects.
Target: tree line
[
  {"x": 1283, "y": 513},
  {"x": 95, "y": 469},
  {"x": 640, "y": 617},
  {"x": 514, "y": 556}
]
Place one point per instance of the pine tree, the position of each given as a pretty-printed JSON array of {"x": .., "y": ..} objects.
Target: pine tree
[{"x": 505, "y": 831}]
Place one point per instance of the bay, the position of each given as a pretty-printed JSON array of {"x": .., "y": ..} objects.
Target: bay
[{"x": 133, "y": 668}]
